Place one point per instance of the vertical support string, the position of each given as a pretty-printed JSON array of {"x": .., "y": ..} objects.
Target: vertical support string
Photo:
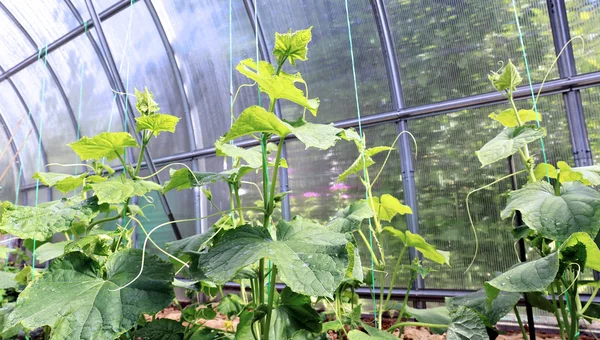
[
  {"x": 360, "y": 132},
  {"x": 80, "y": 105}
]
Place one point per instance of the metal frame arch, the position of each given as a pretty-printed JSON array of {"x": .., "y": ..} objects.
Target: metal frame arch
[
  {"x": 61, "y": 90},
  {"x": 13, "y": 146},
  {"x": 33, "y": 124}
]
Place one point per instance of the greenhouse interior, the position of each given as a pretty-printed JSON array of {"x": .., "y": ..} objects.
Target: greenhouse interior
[{"x": 295, "y": 170}]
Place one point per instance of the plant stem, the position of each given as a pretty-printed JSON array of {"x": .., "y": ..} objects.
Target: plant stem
[
  {"x": 275, "y": 172},
  {"x": 589, "y": 301},
  {"x": 525, "y": 152},
  {"x": 394, "y": 274},
  {"x": 556, "y": 314},
  {"x": 103, "y": 220},
  {"x": 270, "y": 302},
  {"x": 405, "y": 302},
  {"x": 381, "y": 285},
  {"x": 421, "y": 324},
  {"x": 138, "y": 167},
  {"x": 362, "y": 235},
  {"x": 520, "y": 323},
  {"x": 573, "y": 310},
  {"x": 238, "y": 201}
]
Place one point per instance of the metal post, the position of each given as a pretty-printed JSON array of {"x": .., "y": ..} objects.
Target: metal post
[
  {"x": 522, "y": 252},
  {"x": 406, "y": 161},
  {"x": 264, "y": 52},
  {"x": 559, "y": 23},
  {"x": 184, "y": 99},
  {"x": 131, "y": 115}
]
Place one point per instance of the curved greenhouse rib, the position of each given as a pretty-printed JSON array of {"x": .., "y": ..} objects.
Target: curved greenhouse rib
[
  {"x": 9, "y": 136},
  {"x": 130, "y": 115},
  {"x": 33, "y": 124},
  {"x": 61, "y": 90},
  {"x": 264, "y": 52},
  {"x": 180, "y": 87}
]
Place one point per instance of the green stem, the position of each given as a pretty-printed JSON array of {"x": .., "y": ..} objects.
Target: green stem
[
  {"x": 381, "y": 285},
  {"x": 274, "y": 180},
  {"x": 141, "y": 157},
  {"x": 557, "y": 185},
  {"x": 520, "y": 323},
  {"x": 394, "y": 274},
  {"x": 573, "y": 311},
  {"x": 102, "y": 220},
  {"x": 421, "y": 324},
  {"x": 405, "y": 302},
  {"x": 270, "y": 302},
  {"x": 589, "y": 301},
  {"x": 525, "y": 152},
  {"x": 556, "y": 314},
  {"x": 362, "y": 235},
  {"x": 238, "y": 201}
]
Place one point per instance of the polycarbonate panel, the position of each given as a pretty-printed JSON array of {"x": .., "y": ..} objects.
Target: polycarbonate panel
[
  {"x": 19, "y": 124},
  {"x": 591, "y": 109},
  {"x": 328, "y": 70},
  {"x": 199, "y": 34},
  {"x": 446, "y": 49},
  {"x": 9, "y": 168},
  {"x": 50, "y": 114},
  {"x": 89, "y": 93},
  {"x": 447, "y": 169},
  {"x": 142, "y": 62},
  {"x": 583, "y": 21},
  {"x": 44, "y": 20},
  {"x": 15, "y": 47},
  {"x": 316, "y": 194}
]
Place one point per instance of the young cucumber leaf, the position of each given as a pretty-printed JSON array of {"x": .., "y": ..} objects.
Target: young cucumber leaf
[
  {"x": 118, "y": 189},
  {"x": 533, "y": 276},
  {"x": 508, "y": 118},
  {"x": 62, "y": 182},
  {"x": 292, "y": 46},
  {"x": 107, "y": 144},
  {"x": 576, "y": 208},
  {"x": 466, "y": 325},
  {"x": 588, "y": 175},
  {"x": 293, "y": 313},
  {"x": 388, "y": 206},
  {"x": 361, "y": 162},
  {"x": 145, "y": 103},
  {"x": 185, "y": 179},
  {"x": 544, "y": 170},
  {"x": 478, "y": 301},
  {"x": 374, "y": 334},
  {"x": 280, "y": 86},
  {"x": 49, "y": 251},
  {"x": 99, "y": 312},
  {"x": 508, "y": 80},
  {"x": 45, "y": 220},
  {"x": 418, "y": 242},
  {"x": 312, "y": 260},
  {"x": 509, "y": 141},
  {"x": 350, "y": 218},
  {"x": 436, "y": 315},
  {"x": 156, "y": 123},
  {"x": 592, "y": 251}
]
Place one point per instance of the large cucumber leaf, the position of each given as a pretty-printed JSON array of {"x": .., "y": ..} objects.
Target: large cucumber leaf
[
  {"x": 575, "y": 209},
  {"x": 312, "y": 259},
  {"x": 507, "y": 142},
  {"x": 77, "y": 296}
]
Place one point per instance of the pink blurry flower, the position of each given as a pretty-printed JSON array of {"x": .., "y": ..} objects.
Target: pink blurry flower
[
  {"x": 310, "y": 194},
  {"x": 339, "y": 187},
  {"x": 344, "y": 196}
]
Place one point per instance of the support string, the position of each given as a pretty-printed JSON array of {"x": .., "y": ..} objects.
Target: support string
[{"x": 360, "y": 132}]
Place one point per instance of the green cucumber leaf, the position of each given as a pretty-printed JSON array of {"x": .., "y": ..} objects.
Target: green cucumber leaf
[
  {"x": 418, "y": 242},
  {"x": 350, "y": 218},
  {"x": 436, "y": 315},
  {"x": 508, "y": 142},
  {"x": 7, "y": 280},
  {"x": 478, "y": 301},
  {"x": 193, "y": 243},
  {"x": 508, "y": 118},
  {"x": 544, "y": 170},
  {"x": 45, "y": 220},
  {"x": 256, "y": 119},
  {"x": 77, "y": 297},
  {"x": 591, "y": 174},
  {"x": 374, "y": 334},
  {"x": 107, "y": 144},
  {"x": 360, "y": 162},
  {"x": 388, "y": 206},
  {"x": 230, "y": 305},
  {"x": 466, "y": 325},
  {"x": 592, "y": 251},
  {"x": 280, "y": 86},
  {"x": 576, "y": 209},
  {"x": 320, "y": 136},
  {"x": 62, "y": 182},
  {"x": 312, "y": 259},
  {"x": 49, "y": 251},
  {"x": 161, "y": 329},
  {"x": 292, "y": 45},
  {"x": 532, "y": 276},
  {"x": 156, "y": 123},
  {"x": 293, "y": 313},
  {"x": 508, "y": 79},
  {"x": 118, "y": 189}
]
